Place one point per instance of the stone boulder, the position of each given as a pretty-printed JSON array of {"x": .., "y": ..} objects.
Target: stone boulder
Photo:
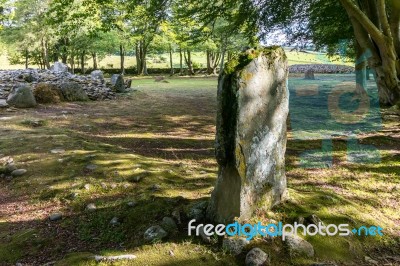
[
  {"x": 47, "y": 93},
  {"x": 298, "y": 247},
  {"x": 97, "y": 75},
  {"x": 3, "y": 103},
  {"x": 257, "y": 257},
  {"x": 22, "y": 97},
  {"x": 253, "y": 103},
  {"x": 234, "y": 245},
  {"x": 73, "y": 91},
  {"x": 309, "y": 74},
  {"x": 59, "y": 67},
  {"x": 155, "y": 233},
  {"x": 117, "y": 83}
]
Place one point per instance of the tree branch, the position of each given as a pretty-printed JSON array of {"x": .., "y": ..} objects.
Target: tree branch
[
  {"x": 355, "y": 12},
  {"x": 383, "y": 18}
]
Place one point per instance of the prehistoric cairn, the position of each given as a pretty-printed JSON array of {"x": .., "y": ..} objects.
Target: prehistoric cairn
[{"x": 253, "y": 102}]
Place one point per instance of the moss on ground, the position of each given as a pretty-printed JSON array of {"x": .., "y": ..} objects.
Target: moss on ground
[{"x": 164, "y": 134}]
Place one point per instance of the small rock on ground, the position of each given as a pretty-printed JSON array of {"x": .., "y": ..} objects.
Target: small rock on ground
[
  {"x": 18, "y": 172},
  {"x": 91, "y": 207},
  {"x": 297, "y": 246},
  {"x": 114, "y": 221},
  {"x": 234, "y": 245},
  {"x": 155, "y": 233},
  {"x": 91, "y": 167},
  {"x": 257, "y": 257},
  {"x": 55, "y": 217},
  {"x": 169, "y": 225}
]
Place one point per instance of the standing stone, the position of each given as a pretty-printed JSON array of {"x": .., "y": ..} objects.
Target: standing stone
[
  {"x": 73, "y": 91},
  {"x": 309, "y": 74},
  {"x": 253, "y": 102},
  {"x": 117, "y": 82},
  {"x": 22, "y": 97},
  {"x": 59, "y": 67},
  {"x": 3, "y": 103},
  {"x": 97, "y": 75}
]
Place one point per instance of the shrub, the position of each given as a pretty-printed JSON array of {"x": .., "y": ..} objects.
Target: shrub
[{"x": 47, "y": 93}]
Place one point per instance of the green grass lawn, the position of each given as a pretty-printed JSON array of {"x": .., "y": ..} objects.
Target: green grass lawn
[
  {"x": 199, "y": 58},
  {"x": 164, "y": 134}
]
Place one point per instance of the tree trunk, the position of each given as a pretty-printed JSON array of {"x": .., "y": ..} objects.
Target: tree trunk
[
  {"x": 64, "y": 56},
  {"x": 361, "y": 68},
  {"x": 138, "y": 58},
  {"x": 221, "y": 67},
  {"x": 94, "y": 56},
  {"x": 122, "y": 56},
  {"x": 144, "y": 63},
  {"x": 26, "y": 59},
  {"x": 72, "y": 63},
  {"x": 83, "y": 63},
  {"x": 189, "y": 62},
  {"x": 170, "y": 61},
  {"x": 209, "y": 70},
  {"x": 180, "y": 62},
  {"x": 373, "y": 33},
  {"x": 45, "y": 55}
]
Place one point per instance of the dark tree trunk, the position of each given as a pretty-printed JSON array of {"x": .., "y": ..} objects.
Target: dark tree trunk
[
  {"x": 213, "y": 60},
  {"x": 94, "y": 56},
  {"x": 72, "y": 63},
  {"x": 361, "y": 68},
  {"x": 374, "y": 33},
  {"x": 64, "y": 55},
  {"x": 180, "y": 62},
  {"x": 45, "y": 55},
  {"x": 83, "y": 63},
  {"x": 26, "y": 59},
  {"x": 122, "y": 57},
  {"x": 189, "y": 62},
  {"x": 138, "y": 61},
  {"x": 171, "y": 64}
]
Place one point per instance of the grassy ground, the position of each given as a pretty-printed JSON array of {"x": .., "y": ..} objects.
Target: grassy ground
[
  {"x": 199, "y": 58},
  {"x": 164, "y": 134}
]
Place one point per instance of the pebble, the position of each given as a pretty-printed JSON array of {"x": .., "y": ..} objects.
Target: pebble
[
  {"x": 257, "y": 257},
  {"x": 132, "y": 204},
  {"x": 91, "y": 167},
  {"x": 55, "y": 217},
  {"x": 57, "y": 151},
  {"x": 18, "y": 172},
  {"x": 91, "y": 207},
  {"x": 155, "y": 233},
  {"x": 114, "y": 221}
]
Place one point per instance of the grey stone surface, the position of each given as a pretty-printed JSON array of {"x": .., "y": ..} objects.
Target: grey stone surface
[
  {"x": 55, "y": 217},
  {"x": 253, "y": 103},
  {"x": 97, "y": 75},
  {"x": 309, "y": 74},
  {"x": 169, "y": 225},
  {"x": 257, "y": 257},
  {"x": 298, "y": 247},
  {"x": 73, "y": 91},
  {"x": 91, "y": 207},
  {"x": 234, "y": 245},
  {"x": 117, "y": 82},
  {"x": 3, "y": 103},
  {"x": 22, "y": 97},
  {"x": 18, "y": 172},
  {"x": 114, "y": 221},
  {"x": 59, "y": 67},
  {"x": 10, "y": 79},
  {"x": 155, "y": 233}
]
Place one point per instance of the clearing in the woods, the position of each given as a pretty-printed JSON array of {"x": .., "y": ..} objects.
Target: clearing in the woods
[{"x": 153, "y": 147}]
